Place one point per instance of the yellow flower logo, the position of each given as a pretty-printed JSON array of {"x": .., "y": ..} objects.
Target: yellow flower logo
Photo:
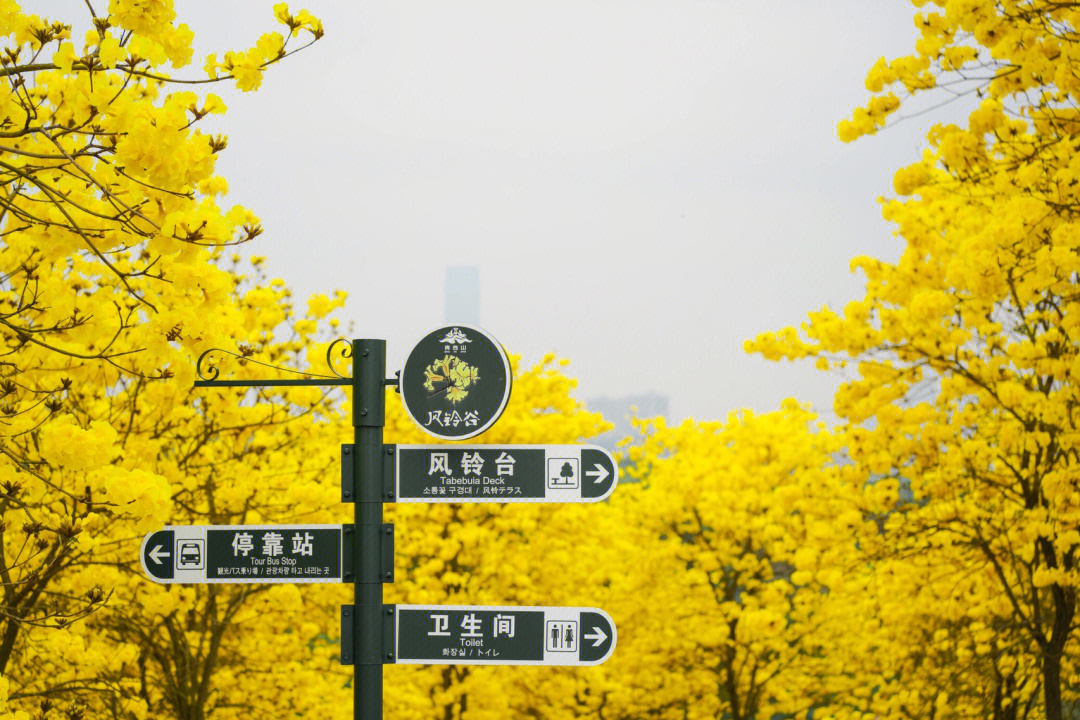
[{"x": 451, "y": 375}]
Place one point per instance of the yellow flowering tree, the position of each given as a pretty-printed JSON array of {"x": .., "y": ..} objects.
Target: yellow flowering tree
[
  {"x": 966, "y": 356},
  {"x": 761, "y": 533},
  {"x": 110, "y": 284},
  {"x": 229, "y": 458}
]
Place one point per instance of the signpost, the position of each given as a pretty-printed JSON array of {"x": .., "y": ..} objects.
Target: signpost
[
  {"x": 455, "y": 384},
  {"x": 503, "y": 473},
  {"x": 244, "y": 554}
]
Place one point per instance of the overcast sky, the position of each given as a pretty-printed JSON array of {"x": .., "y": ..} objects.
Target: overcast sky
[{"x": 642, "y": 185}]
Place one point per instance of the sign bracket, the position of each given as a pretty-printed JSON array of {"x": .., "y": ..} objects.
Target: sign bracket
[
  {"x": 372, "y": 492},
  {"x": 348, "y": 477},
  {"x": 389, "y": 634},
  {"x": 348, "y": 562},
  {"x": 386, "y": 554},
  {"x": 348, "y": 632},
  {"x": 389, "y": 473},
  {"x": 379, "y": 616}
]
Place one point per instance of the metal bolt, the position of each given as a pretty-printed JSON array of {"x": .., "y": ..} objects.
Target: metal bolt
[
  {"x": 344, "y": 657},
  {"x": 348, "y": 494},
  {"x": 348, "y": 531},
  {"x": 390, "y": 494},
  {"x": 346, "y": 449},
  {"x": 389, "y": 451},
  {"x": 389, "y": 576},
  {"x": 389, "y": 531},
  {"x": 345, "y": 612},
  {"x": 363, "y": 411},
  {"x": 389, "y": 656},
  {"x": 365, "y": 353},
  {"x": 389, "y": 611}
]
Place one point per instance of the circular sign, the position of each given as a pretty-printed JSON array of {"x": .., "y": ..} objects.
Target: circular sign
[{"x": 456, "y": 382}]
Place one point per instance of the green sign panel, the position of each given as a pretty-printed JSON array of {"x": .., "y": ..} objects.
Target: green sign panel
[
  {"x": 495, "y": 635},
  {"x": 503, "y": 473},
  {"x": 456, "y": 382},
  {"x": 243, "y": 554}
]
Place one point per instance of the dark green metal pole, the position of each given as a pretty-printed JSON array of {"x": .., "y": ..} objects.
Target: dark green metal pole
[{"x": 369, "y": 405}]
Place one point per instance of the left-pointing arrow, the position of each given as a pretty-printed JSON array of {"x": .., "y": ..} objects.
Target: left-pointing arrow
[
  {"x": 598, "y": 636},
  {"x": 158, "y": 545}
]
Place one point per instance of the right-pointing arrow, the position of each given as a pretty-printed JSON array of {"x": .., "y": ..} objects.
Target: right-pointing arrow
[
  {"x": 600, "y": 473},
  {"x": 598, "y": 636},
  {"x": 156, "y": 554}
]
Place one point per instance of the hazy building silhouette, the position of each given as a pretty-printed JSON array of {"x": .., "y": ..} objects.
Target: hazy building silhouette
[
  {"x": 462, "y": 294},
  {"x": 462, "y": 305}
]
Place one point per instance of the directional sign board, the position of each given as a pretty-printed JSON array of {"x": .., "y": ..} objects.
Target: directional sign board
[
  {"x": 243, "y": 554},
  {"x": 493, "y": 635},
  {"x": 503, "y": 473},
  {"x": 456, "y": 382}
]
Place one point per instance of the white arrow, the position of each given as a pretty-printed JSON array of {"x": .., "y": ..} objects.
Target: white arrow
[
  {"x": 600, "y": 473},
  {"x": 598, "y": 634},
  {"x": 156, "y": 554}
]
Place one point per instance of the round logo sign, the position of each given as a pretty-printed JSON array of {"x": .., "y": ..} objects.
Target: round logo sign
[{"x": 456, "y": 382}]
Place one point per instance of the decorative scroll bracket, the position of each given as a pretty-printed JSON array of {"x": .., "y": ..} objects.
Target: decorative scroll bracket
[{"x": 312, "y": 381}]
